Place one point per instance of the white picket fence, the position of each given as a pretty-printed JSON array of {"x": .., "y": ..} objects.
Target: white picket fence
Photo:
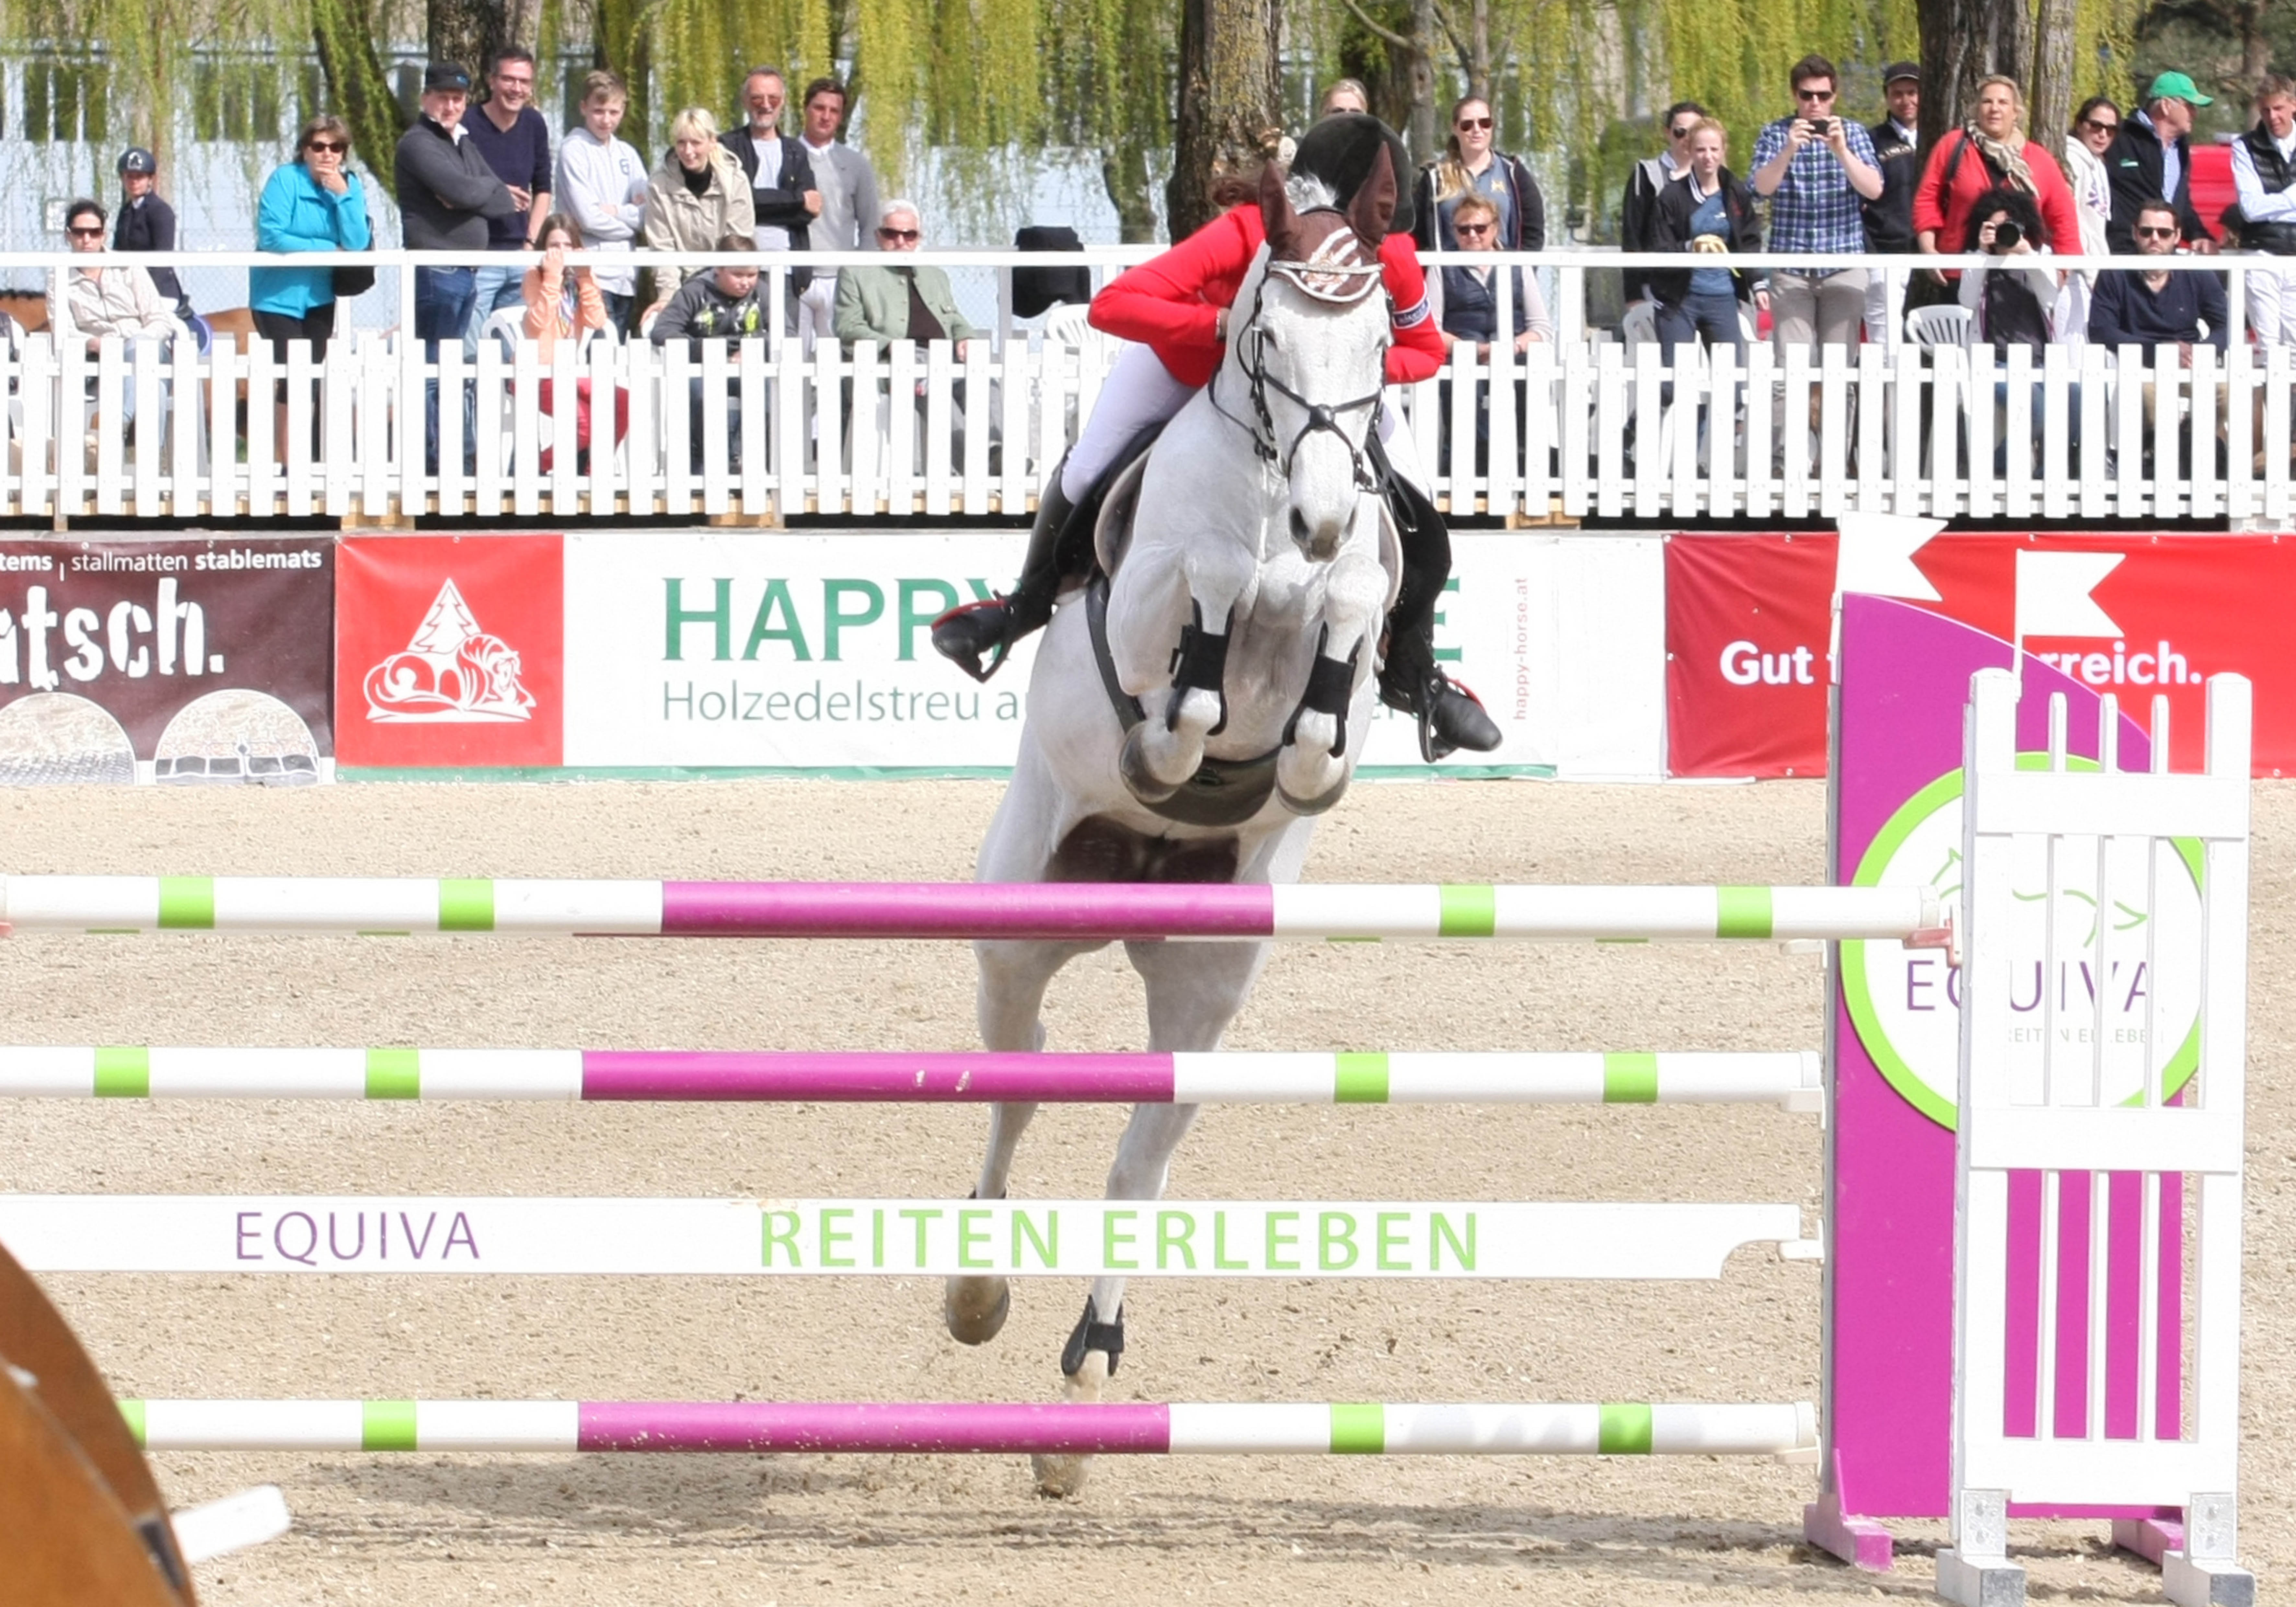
[{"x": 1582, "y": 426}]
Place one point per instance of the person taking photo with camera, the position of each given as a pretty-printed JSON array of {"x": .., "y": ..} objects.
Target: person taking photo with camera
[{"x": 1817, "y": 170}]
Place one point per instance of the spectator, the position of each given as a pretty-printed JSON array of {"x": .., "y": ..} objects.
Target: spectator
[
  {"x": 782, "y": 193},
  {"x": 2152, "y": 160},
  {"x": 1345, "y": 95},
  {"x": 563, "y": 302},
  {"x": 1465, "y": 298},
  {"x": 2094, "y": 125},
  {"x": 903, "y": 303},
  {"x": 695, "y": 199},
  {"x": 1651, "y": 176},
  {"x": 447, "y": 194},
  {"x": 1470, "y": 162},
  {"x": 602, "y": 185},
  {"x": 91, "y": 303},
  {"x": 515, "y": 141},
  {"x": 316, "y": 204},
  {"x": 2011, "y": 305},
  {"x": 2156, "y": 307},
  {"x": 1890, "y": 216},
  {"x": 1466, "y": 304},
  {"x": 714, "y": 304},
  {"x": 148, "y": 223},
  {"x": 1711, "y": 213},
  {"x": 1815, "y": 167},
  {"x": 2264, "y": 176},
  {"x": 1986, "y": 153},
  {"x": 848, "y": 201}
]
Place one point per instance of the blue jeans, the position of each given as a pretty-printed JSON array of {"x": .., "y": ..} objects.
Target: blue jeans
[
  {"x": 699, "y": 402},
  {"x": 1713, "y": 314},
  {"x": 493, "y": 288},
  {"x": 2040, "y": 418},
  {"x": 443, "y": 298}
]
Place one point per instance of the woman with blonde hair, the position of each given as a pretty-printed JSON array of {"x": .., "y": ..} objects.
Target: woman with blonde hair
[
  {"x": 696, "y": 197},
  {"x": 1988, "y": 153},
  {"x": 1470, "y": 162}
]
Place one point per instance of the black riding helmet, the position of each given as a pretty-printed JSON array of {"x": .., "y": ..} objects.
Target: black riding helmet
[{"x": 1339, "y": 150}]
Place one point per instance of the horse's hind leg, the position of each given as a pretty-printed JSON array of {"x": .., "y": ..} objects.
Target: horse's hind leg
[{"x": 1194, "y": 990}]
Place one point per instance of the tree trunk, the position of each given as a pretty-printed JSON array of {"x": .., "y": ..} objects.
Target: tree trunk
[
  {"x": 1124, "y": 174},
  {"x": 344, "y": 32},
  {"x": 465, "y": 32},
  {"x": 1419, "y": 64},
  {"x": 1963, "y": 41},
  {"x": 1227, "y": 119},
  {"x": 2050, "y": 105}
]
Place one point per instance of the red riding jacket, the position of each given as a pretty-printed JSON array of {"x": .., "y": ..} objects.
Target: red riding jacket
[{"x": 1172, "y": 302}]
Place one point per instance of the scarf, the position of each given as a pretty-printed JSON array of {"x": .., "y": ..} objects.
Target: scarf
[{"x": 2007, "y": 157}]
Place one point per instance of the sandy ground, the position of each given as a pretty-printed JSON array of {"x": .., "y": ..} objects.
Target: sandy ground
[{"x": 632, "y": 1531}]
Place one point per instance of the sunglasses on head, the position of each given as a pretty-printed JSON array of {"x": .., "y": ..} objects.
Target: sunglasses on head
[
  {"x": 2145, "y": 232},
  {"x": 1466, "y": 123},
  {"x": 903, "y": 235}
]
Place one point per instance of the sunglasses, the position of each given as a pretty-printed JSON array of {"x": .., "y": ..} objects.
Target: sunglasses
[
  {"x": 1682, "y": 133},
  {"x": 2142, "y": 232},
  {"x": 1466, "y": 124},
  {"x": 2093, "y": 126},
  {"x": 903, "y": 235},
  {"x": 327, "y": 147},
  {"x": 1471, "y": 230},
  {"x": 94, "y": 234},
  {"x": 1813, "y": 95}
]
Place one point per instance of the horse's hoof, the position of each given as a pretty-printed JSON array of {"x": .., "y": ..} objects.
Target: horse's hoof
[
  {"x": 1132, "y": 764},
  {"x": 975, "y": 1308},
  {"x": 1064, "y": 1475},
  {"x": 1310, "y": 805}
]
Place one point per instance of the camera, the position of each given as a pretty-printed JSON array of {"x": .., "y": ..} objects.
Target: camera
[
  {"x": 2006, "y": 235},
  {"x": 1822, "y": 126}
]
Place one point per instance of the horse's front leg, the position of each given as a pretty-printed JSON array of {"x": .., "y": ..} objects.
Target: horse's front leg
[
  {"x": 1320, "y": 743},
  {"x": 1163, "y": 751}
]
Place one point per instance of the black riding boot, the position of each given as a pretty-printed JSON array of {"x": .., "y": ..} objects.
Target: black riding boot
[
  {"x": 1450, "y": 717},
  {"x": 972, "y": 630}
]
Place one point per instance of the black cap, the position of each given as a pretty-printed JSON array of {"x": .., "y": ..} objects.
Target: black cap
[
  {"x": 445, "y": 76},
  {"x": 137, "y": 159},
  {"x": 1896, "y": 70},
  {"x": 1339, "y": 150}
]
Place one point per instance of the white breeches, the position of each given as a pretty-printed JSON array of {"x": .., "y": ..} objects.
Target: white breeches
[
  {"x": 2272, "y": 307},
  {"x": 1140, "y": 393}
]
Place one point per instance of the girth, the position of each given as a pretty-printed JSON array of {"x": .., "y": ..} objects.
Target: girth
[{"x": 1223, "y": 791}]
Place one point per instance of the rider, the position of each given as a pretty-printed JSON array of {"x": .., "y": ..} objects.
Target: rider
[{"x": 1176, "y": 308}]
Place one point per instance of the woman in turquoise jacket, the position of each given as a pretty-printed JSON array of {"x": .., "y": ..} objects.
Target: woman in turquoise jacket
[{"x": 313, "y": 203}]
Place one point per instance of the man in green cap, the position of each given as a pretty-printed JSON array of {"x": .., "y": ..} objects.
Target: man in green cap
[{"x": 2151, "y": 160}]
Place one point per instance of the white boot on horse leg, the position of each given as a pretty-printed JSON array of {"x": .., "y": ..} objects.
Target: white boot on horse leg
[{"x": 1162, "y": 751}]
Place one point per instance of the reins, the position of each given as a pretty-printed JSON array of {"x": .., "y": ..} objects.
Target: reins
[{"x": 1321, "y": 415}]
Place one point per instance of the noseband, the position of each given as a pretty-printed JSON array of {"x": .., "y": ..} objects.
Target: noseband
[{"x": 1338, "y": 283}]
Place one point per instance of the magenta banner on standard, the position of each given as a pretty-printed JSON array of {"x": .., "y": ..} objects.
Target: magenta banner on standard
[{"x": 182, "y": 661}]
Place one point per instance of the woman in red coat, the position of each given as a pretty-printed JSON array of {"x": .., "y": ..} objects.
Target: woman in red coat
[
  {"x": 1987, "y": 151},
  {"x": 1175, "y": 309}
]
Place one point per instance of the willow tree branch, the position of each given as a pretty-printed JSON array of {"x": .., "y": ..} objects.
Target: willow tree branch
[
  {"x": 1458, "y": 41},
  {"x": 1388, "y": 33}
]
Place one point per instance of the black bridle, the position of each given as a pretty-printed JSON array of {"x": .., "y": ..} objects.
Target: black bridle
[{"x": 1252, "y": 339}]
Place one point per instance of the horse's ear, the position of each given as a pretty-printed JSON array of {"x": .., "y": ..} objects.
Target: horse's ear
[
  {"x": 1373, "y": 206},
  {"x": 1275, "y": 210}
]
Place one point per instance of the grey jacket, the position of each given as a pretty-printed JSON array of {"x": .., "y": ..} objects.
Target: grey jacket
[
  {"x": 445, "y": 190},
  {"x": 849, "y": 200}
]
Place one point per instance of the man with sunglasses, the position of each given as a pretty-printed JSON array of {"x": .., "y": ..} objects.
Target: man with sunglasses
[
  {"x": 1817, "y": 170},
  {"x": 1639, "y": 206},
  {"x": 2156, "y": 307},
  {"x": 1890, "y": 216},
  {"x": 2151, "y": 160},
  {"x": 903, "y": 303}
]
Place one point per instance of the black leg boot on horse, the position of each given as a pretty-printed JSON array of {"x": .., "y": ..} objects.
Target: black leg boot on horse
[
  {"x": 1058, "y": 546},
  {"x": 1450, "y": 717}
]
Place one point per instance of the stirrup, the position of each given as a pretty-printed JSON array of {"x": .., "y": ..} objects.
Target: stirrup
[
  {"x": 968, "y": 659},
  {"x": 1435, "y": 747}
]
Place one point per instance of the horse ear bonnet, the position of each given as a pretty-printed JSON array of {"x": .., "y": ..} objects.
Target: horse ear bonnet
[{"x": 1339, "y": 150}]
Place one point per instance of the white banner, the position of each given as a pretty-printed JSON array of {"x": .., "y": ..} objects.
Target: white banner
[
  {"x": 713, "y": 650},
  {"x": 1082, "y": 1238}
]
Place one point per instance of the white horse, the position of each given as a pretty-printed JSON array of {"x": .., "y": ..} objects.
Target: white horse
[{"x": 1186, "y": 723}]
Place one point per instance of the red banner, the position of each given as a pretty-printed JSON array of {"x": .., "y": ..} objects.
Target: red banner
[
  {"x": 449, "y": 652},
  {"x": 1748, "y": 619}
]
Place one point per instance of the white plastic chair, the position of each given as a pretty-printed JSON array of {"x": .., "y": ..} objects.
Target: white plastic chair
[
  {"x": 1930, "y": 327},
  {"x": 1638, "y": 326}
]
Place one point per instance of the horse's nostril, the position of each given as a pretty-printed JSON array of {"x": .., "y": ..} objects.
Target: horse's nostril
[{"x": 1299, "y": 531}]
